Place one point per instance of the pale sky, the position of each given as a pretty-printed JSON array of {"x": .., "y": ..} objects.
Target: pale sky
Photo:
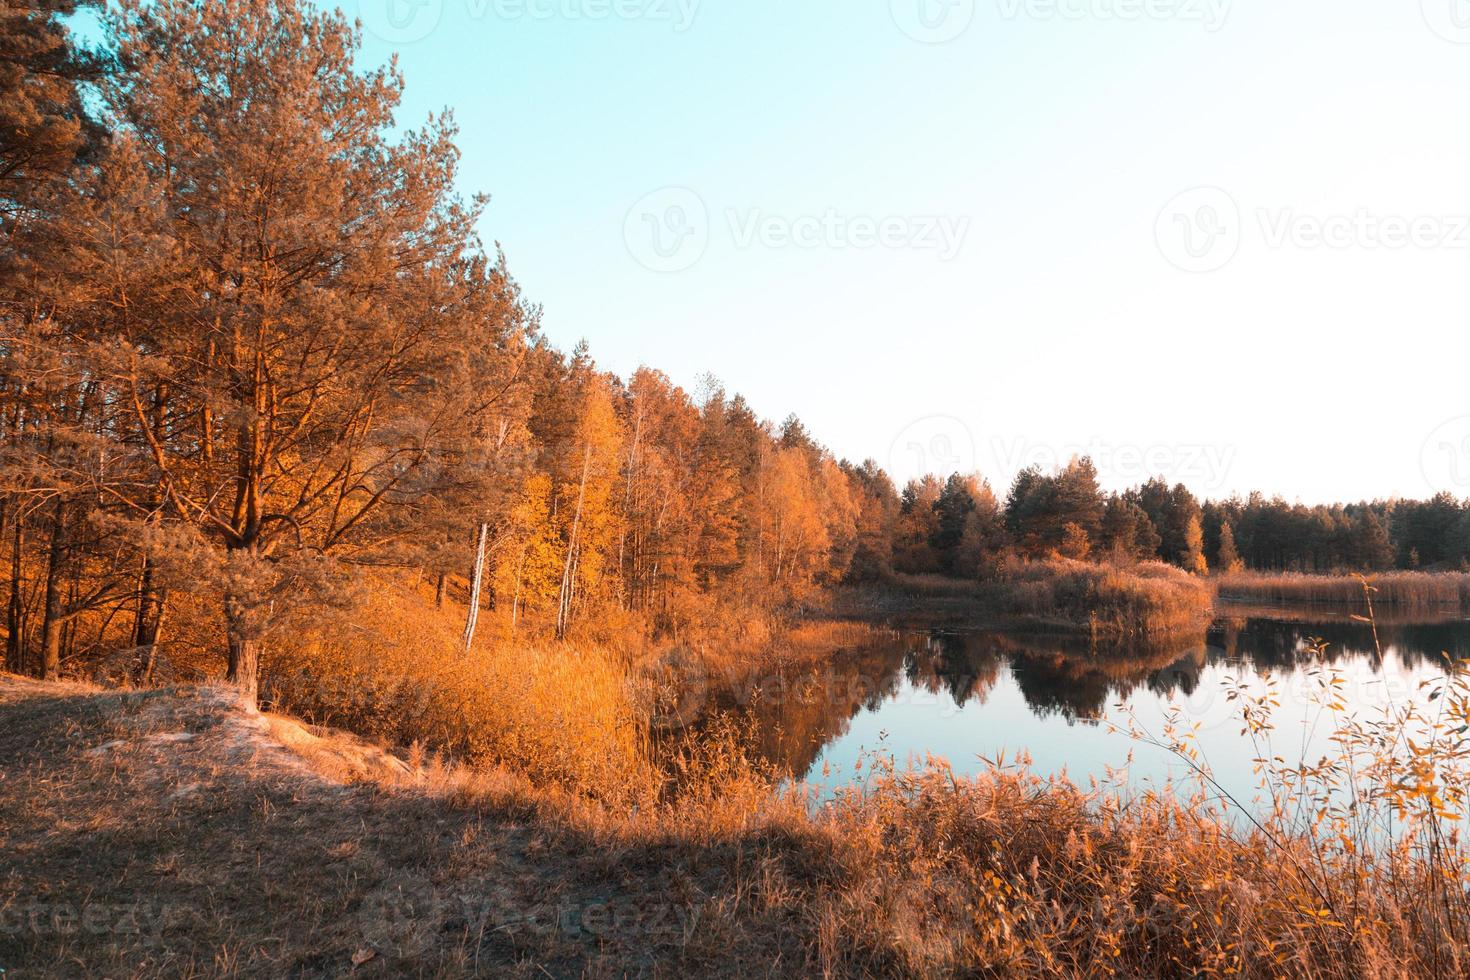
[{"x": 1096, "y": 225}]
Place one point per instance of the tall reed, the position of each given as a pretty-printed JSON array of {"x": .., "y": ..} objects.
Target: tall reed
[{"x": 1400, "y": 591}]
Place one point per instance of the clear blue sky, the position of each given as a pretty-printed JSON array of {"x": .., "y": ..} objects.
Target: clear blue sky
[{"x": 1079, "y": 301}]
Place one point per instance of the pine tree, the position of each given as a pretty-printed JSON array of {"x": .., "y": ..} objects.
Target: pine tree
[{"x": 308, "y": 293}]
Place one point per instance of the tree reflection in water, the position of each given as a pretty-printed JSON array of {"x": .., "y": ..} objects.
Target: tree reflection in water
[{"x": 790, "y": 716}]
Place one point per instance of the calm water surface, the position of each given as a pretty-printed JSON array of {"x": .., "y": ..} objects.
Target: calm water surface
[{"x": 971, "y": 696}]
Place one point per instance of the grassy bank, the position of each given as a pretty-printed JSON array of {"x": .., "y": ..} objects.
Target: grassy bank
[
  {"x": 1427, "y": 592},
  {"x": 200, "y": 840}
]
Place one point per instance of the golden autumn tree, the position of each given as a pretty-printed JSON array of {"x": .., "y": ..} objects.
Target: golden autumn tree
[
  {"x": 659, "y": 550},
  {"x": 529, "y": 570},
  {"x": 317, "y": 328},
  {"x": 1194, "y": 547},
  {"x": 796, "y": 533},
  {"x": 585, "y": 500}
]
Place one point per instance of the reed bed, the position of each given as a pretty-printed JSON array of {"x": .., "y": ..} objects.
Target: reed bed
[
  {"x": 1106, "y": 601},
  {"x": 1399, "y": 591}
]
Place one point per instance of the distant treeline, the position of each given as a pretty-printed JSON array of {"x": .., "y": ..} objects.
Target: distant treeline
[{"x": 960, "y": 527}]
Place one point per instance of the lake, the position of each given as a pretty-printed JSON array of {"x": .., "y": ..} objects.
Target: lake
[{"x": 974, "y": 696}]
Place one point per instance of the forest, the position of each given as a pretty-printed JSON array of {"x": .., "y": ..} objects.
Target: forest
[{"x": 253, "y": 350}]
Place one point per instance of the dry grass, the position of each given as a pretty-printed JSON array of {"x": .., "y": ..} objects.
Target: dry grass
[
  {"x": 1105, "y": 601},
  {"x": 179, "y": 812},
  {"x": 397, "y": 671},
  {"x": 575, "y": 715},
  {"x": 1427, "y": 592},
  {"x": 176, "y": 833}
]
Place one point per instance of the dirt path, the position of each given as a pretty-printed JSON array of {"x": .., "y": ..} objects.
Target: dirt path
[{"x": 171, "y": 833}]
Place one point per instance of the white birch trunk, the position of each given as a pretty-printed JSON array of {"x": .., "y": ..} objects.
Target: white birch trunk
[{"x": 477, "y": 584}]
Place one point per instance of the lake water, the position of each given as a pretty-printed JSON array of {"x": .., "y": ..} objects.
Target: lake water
[{"x": 973, "y": 696}]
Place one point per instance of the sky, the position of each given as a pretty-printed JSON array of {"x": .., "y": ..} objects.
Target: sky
[{"x": 1224, "y": 241}]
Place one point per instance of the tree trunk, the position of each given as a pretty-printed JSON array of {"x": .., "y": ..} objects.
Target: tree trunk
[
  {"x": 149, "y": 620},
  {"x": 564, "y": 602},
  {"x": 51, "y": 623},
  {"x": 148, "y": 625},
  {"x": 244, "y": 670},
  {"x": 149, "y": 659},
  {"x": 51, "y": 651},
  {"x": 477, "y": 582},
  {"x": 243, "y": 652},
  {"x": 15, "y": 609},
  {"x": 439, "y": 591},
  {"x": 150, "y": 608}
]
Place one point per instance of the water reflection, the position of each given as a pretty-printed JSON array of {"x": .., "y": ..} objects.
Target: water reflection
[{"x": 964, "y": 695}]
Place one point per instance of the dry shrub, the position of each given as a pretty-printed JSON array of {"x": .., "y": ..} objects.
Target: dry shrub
[{"x": 396, "y": 670}]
